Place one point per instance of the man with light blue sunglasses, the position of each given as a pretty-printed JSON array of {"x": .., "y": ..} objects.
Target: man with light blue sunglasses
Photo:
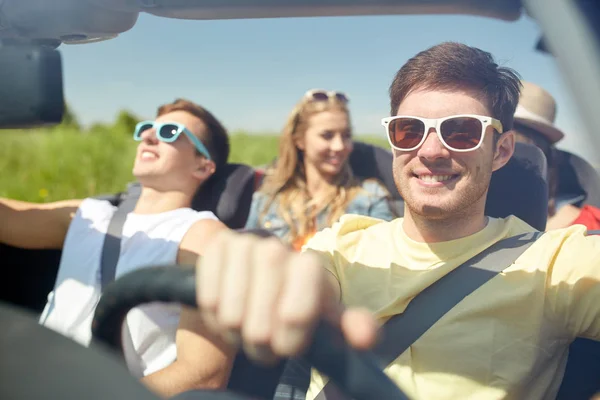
[
  {"x": 164, "y": 345},
  {"x": 168, "y": 132}
]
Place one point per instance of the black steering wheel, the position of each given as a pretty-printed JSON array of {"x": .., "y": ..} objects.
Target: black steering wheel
[
  {"x": 356, "y": 373},
  {"x": 37, "y": 363}
]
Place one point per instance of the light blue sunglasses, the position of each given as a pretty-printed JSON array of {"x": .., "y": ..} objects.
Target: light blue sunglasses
[{"x": 169, "y": 132}]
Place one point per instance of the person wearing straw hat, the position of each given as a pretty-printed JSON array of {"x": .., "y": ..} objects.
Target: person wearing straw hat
[{"x": 534, "y": 123}]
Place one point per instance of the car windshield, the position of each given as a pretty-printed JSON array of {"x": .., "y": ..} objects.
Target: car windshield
[{"x": 250, "y": 72}]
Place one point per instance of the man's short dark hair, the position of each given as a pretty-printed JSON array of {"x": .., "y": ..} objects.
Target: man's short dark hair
[
  {"x": 217, "y": 139},
  {"x": 457, "y": 66}
]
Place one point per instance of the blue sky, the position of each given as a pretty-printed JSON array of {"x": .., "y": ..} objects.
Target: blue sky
[{"x": 250, "y": 73}]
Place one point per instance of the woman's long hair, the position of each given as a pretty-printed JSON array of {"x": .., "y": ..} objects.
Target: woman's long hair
[{"x": 286, "y": 179}]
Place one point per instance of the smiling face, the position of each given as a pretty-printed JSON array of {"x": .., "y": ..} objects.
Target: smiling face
[
  {"x": 176, "y": 165},
  {"x": 437, "y": 183},
  {"x": 327, "y": 142}
]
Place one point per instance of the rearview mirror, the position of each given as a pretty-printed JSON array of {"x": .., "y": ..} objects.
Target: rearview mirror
[{"x": 31, "y": 86}]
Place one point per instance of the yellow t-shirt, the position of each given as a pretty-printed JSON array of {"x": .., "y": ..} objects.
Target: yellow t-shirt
[{"x": 507, "y": 340}]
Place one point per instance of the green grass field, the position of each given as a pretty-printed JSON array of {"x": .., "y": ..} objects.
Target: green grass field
[{"x": 61, "y": 163}]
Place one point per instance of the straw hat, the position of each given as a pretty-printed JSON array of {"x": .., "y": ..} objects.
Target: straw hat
[{"x": 537, "y": 110}]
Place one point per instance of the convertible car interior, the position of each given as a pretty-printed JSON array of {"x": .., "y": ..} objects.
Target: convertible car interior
[
  {"x": 519, "y": 188},
  {"x": 570, "y": 32}
]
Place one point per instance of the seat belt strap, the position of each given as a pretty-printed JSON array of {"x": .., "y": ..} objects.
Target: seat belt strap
[{"x": 111, "y": 247}]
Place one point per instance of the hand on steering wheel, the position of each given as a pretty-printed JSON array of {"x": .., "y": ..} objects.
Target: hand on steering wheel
[
  {"x": 267, "y": 299},
  {"x": 257, "y": 293}
]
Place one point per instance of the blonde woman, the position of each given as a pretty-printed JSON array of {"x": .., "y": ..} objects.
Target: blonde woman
[{"x": 311, "y": 184}]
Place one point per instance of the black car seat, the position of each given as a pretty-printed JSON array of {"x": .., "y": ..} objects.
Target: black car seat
[{"x": 370, "y": 161}]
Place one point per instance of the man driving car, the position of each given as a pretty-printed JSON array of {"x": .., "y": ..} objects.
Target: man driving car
[
  {"x": 177, "y": 154},
  {"x": 452, "y": 113}
]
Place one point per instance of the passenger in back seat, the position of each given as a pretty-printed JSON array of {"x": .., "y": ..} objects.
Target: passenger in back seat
[
  {"x": 534, "y": 124},
  {"x": 311, "y": 184},
  {"x": 164, "y": 345}
]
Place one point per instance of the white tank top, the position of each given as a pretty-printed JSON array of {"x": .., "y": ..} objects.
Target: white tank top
[{"x": 149, "y": 332}]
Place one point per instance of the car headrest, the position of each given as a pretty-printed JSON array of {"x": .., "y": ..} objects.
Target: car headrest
[
  {"x": 228, "y": 194},
  {"x": 578, "y": 181},
  {"x": 370, "y": 161},
  {"x": 519, "y": 188}
]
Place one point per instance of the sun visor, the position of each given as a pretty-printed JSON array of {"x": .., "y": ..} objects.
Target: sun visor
[
  {"x": 509, "y": 10},
  {"x": 85, "y": 21}
]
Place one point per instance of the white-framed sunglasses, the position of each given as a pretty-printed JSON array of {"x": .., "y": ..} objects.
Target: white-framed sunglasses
[
  {"x": 325, "y": 95},
  {"x": 459, "y": 133}
]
